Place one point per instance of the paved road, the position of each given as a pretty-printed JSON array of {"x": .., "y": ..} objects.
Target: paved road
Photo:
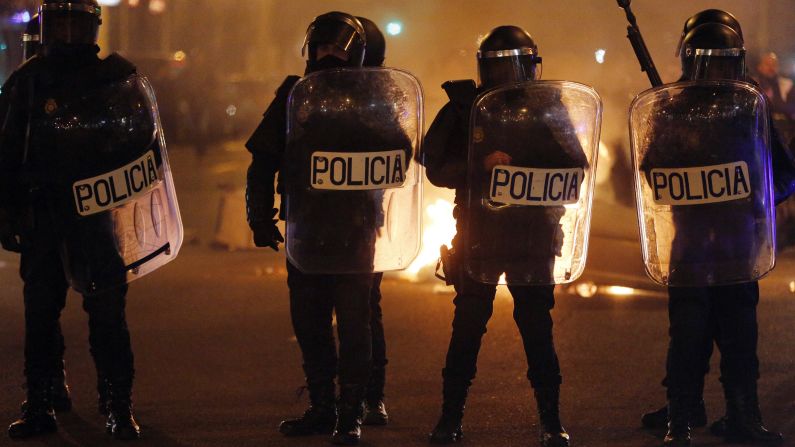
[{"x": 218, "y": 366}]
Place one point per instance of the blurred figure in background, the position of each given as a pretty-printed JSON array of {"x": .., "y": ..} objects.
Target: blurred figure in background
[{"x": 779, "y": 89}]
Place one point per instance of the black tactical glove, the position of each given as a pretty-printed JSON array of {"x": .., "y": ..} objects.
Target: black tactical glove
[
  {"x": 8, "y": 237},
  {"x": 266, "y": 234}
]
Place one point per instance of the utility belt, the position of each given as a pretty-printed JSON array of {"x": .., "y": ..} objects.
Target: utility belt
[{"x": 450, "y": 265}]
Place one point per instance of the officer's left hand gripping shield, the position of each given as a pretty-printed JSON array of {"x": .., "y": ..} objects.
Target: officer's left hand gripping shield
[
  {"x": 353, "y": 187},
  {"x": 532, "y": 164},
  {"x": 703, "y": 183},
  {"x": 124, "y": 220}
]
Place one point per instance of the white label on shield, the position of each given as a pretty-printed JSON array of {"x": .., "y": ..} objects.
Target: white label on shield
[
  {"x": 699, "y": 185},
  {"x": 350, "y": 171},
  {"x": 535, "y": 187},
  {"x": 115, "y": 188}
]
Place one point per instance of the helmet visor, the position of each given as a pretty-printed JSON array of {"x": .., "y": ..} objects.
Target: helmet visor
[
  {"x": 69, "y": 23},
  {"x": 511, "y": 66},
  {"x": 719, "y": 64},
  {"x": 340, "y": 34},
  {"x": 30, "y": 45}
]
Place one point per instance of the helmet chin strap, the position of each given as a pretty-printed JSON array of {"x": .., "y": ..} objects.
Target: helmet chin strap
[{"x": 325, "y": 63}]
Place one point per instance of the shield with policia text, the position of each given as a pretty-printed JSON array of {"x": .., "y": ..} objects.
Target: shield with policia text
[
  {"x": 123, "y": 217},
  {"x": 703, "y": 183},
  {"x": 353, "y": 187},
  {"x": 532, "y": 163}
]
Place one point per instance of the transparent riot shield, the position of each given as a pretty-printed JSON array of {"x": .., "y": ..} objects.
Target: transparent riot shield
[
  {"x": 703, "y": 183},
  {"x": 123, "y": 220},
  {"x": 532, "y": 162},
  {"x": 353, "y": 187}
]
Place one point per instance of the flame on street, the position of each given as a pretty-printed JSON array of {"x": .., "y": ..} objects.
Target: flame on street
[{"x": 438, "y": 230}]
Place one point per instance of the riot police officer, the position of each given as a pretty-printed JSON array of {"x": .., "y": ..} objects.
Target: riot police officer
[
  {"x": 659, "y": 419},
  {"x": 334, "y": 40},
  {"x": 507, "y": 55},
  {"x": 375, "y": 409},
  {"x": 65, "y": 232},
  {"x": 712, "y": 49},
  {"x": 61, "y": 397}
]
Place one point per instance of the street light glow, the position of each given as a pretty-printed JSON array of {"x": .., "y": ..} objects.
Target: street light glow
[
  {"x": 109, "y": 2},
  {"x": 157, "y": 6},
  {"x": 394, "y": 28},
  {"x": 21, "y": 17},
  {"x": 600, "y": 55}
]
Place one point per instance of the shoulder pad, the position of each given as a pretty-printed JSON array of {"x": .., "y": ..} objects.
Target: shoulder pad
[
  {"x": 461, "y": 92},
  {"x": 287, "y": 85},
  {"x": 27, "y": 68},
  {"x": 118, "y": 66},
  {"x": 111, "y": 69}
]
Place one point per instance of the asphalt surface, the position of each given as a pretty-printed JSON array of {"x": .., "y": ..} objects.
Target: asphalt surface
[{"x": 217, "y": 364}]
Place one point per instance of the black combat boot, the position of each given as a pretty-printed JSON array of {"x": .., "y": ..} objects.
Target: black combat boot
[
  {"x": 61, "y": 397},
  {"x": 743, "y": 421},
  {"x": 121, "y": 421},
  {"x": 449, "y": 429},
  {"x": 374, "y": 408},
  {"x": 103, "y": 394},
  {"x": 679, "y": 410},
  {"x": 552, "y": 432},
  {"x": 658, "y": 420},
  {"x": 319, "y": 418},
  {"x": 38, "y": 416},
  {"x": 718, "y": 428},
  {"x": 350, "y": 410}
]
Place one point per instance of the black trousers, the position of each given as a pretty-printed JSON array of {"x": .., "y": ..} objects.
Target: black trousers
[
  {"x": 377, "y": 324},
  {"x": 474, "y": 304},
  {"x": 356, "y": 300},
  {"x": 45, "y": 288},
  {"x": 700, "y": 315}
]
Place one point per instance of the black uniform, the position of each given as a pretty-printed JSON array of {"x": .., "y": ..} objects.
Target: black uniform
[
  {"x": 699, "y": 314},
  {"x": 445, "y": 158},
  {"x": 712, "y": 48},
  {"x": 701, "y": 317},
  {"x": 446, "y": 154},
  {"x": 36, "y": 142},
  {"x": 312, "y": 303}
]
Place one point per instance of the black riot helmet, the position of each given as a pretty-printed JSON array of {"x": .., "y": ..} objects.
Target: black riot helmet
[
  {"x": 69, "y": 22},
  {"x": 31, "y": 38},
  {"x": 713, "y": 51},
  {"x": 375, "y": 52},
  {"x": 709, "y": 16},
  {"x": 343, "y": 32},
  {"x": 508, "y": 54}
]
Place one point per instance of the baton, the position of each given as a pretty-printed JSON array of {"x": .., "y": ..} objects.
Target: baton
[{"x": 638, "y": 44}]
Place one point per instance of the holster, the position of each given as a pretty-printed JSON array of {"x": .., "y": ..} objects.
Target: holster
[{"x": 448, "y": 264}]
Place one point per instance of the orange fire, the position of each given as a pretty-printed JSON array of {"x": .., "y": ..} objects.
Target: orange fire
[{"x": 438, "y": 230}]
